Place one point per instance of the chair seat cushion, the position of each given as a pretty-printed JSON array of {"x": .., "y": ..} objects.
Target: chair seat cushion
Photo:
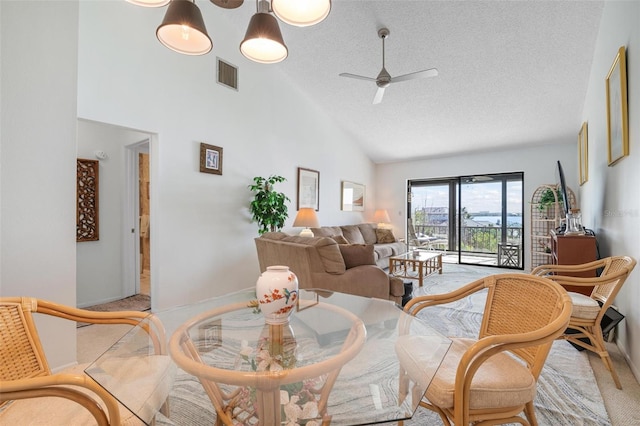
[
  {"x": 501, "y": 381},
  {"x": 153, "y": 390},
  {"x": 584, "y": 307}
]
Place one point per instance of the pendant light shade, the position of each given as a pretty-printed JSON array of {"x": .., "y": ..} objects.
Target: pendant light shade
[
  {"x": 183, "y": 30},
  {"x": 301, "y": 13},
  {"x": 263, "y": 40},
  {"x": 149, "y": 3}
]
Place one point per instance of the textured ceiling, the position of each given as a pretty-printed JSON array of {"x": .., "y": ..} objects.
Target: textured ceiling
[{"x": 510, "y": 72}]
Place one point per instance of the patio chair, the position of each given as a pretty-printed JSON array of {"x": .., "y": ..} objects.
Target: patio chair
[
  {"x": 588, "y": 311},
  {"x": 494, "y": 378},
  {"x": 423, "y": 241},
  {"x": 31, "y": 394}
]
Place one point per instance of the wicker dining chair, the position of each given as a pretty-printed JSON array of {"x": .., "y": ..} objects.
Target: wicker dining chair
[
  {"x": 588, "y": 311},
  {"x": 31, "y": 394},
  {"x": 494, "y": 378}
]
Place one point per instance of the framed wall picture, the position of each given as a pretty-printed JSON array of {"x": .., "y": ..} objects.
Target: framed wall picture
[
  {"x": 583, "y": 154},
  {"x": 87, "y": 197},
  {"x": 352, "y": 196},
  {"x": 308, "y": 188},
  {"x": 210, "y": 159},
  {"x": 617, "y": 119}
]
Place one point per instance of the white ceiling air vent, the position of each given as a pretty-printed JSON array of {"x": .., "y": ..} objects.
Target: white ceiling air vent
[{"x": 227, "y": 74}]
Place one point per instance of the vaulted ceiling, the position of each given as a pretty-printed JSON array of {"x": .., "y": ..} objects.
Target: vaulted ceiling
[{"x": 510, "y": 72}]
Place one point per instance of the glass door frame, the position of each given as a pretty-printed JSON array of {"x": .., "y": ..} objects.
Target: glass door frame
[{"x": 455, "y": 202}]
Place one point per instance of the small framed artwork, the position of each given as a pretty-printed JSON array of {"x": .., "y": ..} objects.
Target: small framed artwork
[
  {"x": 352, "y": 197},
  {"x": 308, "y": 188},
  {"x": 617, "y": 118},
  {"x": 583, "y": 153},
  {"x": 210, "y": 159}
]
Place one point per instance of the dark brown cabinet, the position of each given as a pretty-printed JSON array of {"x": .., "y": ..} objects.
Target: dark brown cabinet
[{"x": 573, "y": 250}]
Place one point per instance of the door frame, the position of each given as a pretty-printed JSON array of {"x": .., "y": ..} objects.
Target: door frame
[{"x": 131, "y": 220}]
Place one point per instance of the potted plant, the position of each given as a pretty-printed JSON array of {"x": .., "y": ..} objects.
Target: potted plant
[
  {"x": 268, "y": 207},
  {"x": 548, "y": 198}
]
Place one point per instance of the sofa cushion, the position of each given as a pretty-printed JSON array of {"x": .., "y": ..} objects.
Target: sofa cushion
[
  {"x": 327, "y": 250},
  {"x": 368, "y": 231},
  {"x": 340, "y": 239},
  {"x": 327, "y": 231},
  {"x": 357, "y": 254},
  {"x": 385, "y": 236},
  {"x": 352, "y": 234},
  {"x": 383, "y": 250}
]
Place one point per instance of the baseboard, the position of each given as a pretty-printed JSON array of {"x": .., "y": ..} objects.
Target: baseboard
[{"x": 634, "y": 369}]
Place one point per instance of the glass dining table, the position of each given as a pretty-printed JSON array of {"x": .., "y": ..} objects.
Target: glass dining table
[{"x": 340, "y": 359}]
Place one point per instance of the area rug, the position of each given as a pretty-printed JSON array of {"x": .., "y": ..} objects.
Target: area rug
[
  {"x": 567, "y": 390},
  {"x": 137, "y": 302}
]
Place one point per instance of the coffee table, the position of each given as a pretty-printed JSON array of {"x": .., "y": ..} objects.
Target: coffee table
[
  {"x": 416, "y": 264},
  {"x": 351, "y": 356}
]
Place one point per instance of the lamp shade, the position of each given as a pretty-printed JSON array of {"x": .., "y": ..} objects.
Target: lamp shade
[
  {"x": 301, "y": 13},
  {"x": 183, "y": 30},
  {"x": 263, "y": 40},
  {"x": 149, "y": 3},
  {"x": 381, "y": 216},
  {"x": 306, "y": 218}
]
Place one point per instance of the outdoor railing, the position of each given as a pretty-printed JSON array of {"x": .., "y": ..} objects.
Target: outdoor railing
[{"x": 476, "y": 239}]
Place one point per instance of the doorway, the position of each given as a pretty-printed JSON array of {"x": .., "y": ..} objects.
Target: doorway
[
  {"x": 137, "y": 229},
  {"x": 474, "y": 220}
]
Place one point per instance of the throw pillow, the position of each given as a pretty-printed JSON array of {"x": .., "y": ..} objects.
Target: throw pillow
[
  {"x": 385, "y": 236},
  {"x": 357, "y": 254},
  {"x": 340, "y": 239}
]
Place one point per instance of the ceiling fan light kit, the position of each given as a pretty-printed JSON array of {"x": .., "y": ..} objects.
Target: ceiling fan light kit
[
  {"x": 384, "y": 79},
  {"x": 183, "y": 30},
  {"x": 301, "y": 13}
]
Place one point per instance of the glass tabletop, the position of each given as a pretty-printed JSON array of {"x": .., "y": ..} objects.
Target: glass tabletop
[
  {"x": 341, "y": 358},
  {"x": 421, "y": 255}
]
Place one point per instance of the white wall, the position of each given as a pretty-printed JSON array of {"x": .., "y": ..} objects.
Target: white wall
[
  {"x": 38, "y": 121},
  {"x": 202, "y": 241},
  {"x": 100, "y": 268},
  {"x": 611, "y": 203},
  {"x": 538, "y": 164}
]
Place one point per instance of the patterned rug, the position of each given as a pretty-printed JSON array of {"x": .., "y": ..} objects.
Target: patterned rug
[
  {"x": 567, "y": 390},
  {"x": 137, "y": 302}
]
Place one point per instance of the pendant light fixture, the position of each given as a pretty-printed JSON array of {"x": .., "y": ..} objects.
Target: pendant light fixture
[
  {"x": 263, "y": 40},
  {"x": 149, "y": 3},
  {"x": 301, "y": 13},
  {"x": 183, "y": 30}
]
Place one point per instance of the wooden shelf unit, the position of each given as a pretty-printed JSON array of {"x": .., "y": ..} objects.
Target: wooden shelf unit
[{"x": 545, "y": 219}]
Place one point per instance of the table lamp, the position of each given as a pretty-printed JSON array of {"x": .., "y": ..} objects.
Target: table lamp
[
  {"x": 306, "y": 218},
  {"x": 381, "y": 217}
]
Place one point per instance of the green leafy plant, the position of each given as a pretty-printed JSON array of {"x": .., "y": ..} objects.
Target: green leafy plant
[
  {"x": 548, "y": 198},
  {"x": 268, "y": 207}
]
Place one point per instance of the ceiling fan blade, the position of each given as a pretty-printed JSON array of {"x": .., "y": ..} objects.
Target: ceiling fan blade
[
  {"x": 359, "y": 77},
  {"x": 378, "y": 97},
  {"x": 418, "y": 74}
]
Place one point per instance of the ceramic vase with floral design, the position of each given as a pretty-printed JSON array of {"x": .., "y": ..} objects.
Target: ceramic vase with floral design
[{"x": 277, "y": 293}]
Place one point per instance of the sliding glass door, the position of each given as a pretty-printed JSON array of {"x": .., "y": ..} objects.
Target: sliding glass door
[{"x": 473, "y": 219}]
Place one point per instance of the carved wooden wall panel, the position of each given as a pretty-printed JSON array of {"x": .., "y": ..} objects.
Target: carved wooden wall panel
[{"x": 87, "y": 228}]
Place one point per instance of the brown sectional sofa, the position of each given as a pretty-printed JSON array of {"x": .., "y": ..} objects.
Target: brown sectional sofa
[
  {"x": 364, "y": 233},
  {"x": 320, "y": 262}
]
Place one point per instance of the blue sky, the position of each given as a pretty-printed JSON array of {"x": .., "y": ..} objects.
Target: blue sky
[{"x": 475, "y": 197}]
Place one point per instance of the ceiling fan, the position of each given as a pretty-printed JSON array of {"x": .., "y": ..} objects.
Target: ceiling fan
[{"x": 384, "y": 79}]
